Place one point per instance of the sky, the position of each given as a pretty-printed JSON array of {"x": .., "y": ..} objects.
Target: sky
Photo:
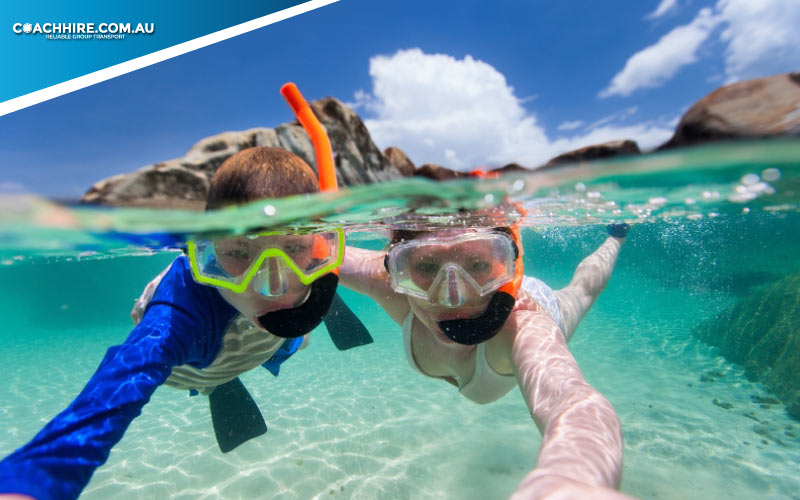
[{"x": 460, "y": 84}]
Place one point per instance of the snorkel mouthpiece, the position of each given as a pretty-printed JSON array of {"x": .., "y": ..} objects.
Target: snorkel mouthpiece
[
  {"x": 480, "y": 329},
  {"x": 296, "y": 322}
]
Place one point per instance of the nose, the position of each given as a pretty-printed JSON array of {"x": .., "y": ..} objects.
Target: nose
[
  {"x": 271, "y": 281},
  {"x": 452, "y": 287},
  {"x": 452, "y": 292},
  {"x": 275, "y": 278}
]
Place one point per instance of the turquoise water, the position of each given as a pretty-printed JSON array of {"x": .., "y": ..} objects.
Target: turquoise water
[{"x": 361, "y": 423}]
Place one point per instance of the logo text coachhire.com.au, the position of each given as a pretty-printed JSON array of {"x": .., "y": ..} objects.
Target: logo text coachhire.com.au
[{"x": 84, "y": 31}]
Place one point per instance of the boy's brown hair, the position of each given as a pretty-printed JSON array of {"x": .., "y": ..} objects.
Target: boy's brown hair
[{"x": 257, "y": 173}]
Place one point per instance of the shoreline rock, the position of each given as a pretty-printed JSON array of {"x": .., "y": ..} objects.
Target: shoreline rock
[{"x": 751, "y": 109}]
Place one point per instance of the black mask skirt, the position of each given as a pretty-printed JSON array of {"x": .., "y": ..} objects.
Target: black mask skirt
[
  {"x": 476, "y": 330},
  {"x": 296, "y": 322}
]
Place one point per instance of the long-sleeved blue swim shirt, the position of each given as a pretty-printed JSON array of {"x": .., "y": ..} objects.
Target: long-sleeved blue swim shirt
[{"x": 184, "y": 324}]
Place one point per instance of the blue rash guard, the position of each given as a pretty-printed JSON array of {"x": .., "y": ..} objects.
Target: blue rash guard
[{"x": 183, "y": 324}]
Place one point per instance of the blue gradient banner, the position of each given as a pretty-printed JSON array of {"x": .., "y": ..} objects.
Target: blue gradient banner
[{"x": 44, "y": 43}]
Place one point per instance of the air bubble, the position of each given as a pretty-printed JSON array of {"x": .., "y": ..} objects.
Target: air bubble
[
  {"x": 517, "y": 186},
  {"x": 771, "y": 174},
  {"x": 750, "y": 179}
]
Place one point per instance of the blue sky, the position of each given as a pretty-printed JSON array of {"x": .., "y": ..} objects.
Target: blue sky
[{"x": 454, "y": 83}]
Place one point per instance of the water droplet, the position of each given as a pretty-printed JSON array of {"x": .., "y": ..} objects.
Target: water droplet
[
  {"x": 517, "y": 186},
  {"x": 489, "y": 198},
  {"x": 771, "y": 174},
  {"x": 750, "y": 179},
  {"x": 269, "y": 210},
  {"x": 580, "y": 187}
]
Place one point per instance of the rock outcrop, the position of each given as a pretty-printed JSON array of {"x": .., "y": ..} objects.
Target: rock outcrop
[
  {"x": 595, "y": 152},
  {"x": 396, "y": 157},
  {"x": 752, "y": 109},
  {"x": 183, "y": 182},
  {"x": 761, "y": 333},
  {"x": 438, "y": 172}
]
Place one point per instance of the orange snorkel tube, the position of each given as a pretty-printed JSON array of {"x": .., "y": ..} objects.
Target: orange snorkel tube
[{"x": 319, "y": 138}]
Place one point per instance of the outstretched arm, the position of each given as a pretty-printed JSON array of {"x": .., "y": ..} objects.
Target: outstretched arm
[
  {"x": 363, "y": 272},
  {"x": 588, "y": 281},
  {"x": 581, "y": 453},
  {"x": 183, "y": 324}
]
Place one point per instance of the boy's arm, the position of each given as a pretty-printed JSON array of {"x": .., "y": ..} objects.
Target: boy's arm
[
  {"x": 363, "y": 272},
  {"x": 581, "y": 449},
  {"x": 60, "y": 460}
]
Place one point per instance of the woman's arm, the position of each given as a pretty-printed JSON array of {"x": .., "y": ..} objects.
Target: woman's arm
[
  {"x": 588, "y": 281},
  {"x": 581, "y": 435},
  {"x": 363, "y": 271}
]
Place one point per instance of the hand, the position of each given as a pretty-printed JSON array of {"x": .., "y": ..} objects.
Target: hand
[{"x": 618, "y": 230}]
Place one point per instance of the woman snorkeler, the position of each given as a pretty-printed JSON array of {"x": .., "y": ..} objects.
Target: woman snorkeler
[{"x": 470, "y": 318}]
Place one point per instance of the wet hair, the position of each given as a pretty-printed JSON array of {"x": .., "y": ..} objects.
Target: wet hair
[{"x": 258, "y": 173}]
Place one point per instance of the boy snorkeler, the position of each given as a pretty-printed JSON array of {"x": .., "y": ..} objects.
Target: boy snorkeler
[
  {"x": 471, "y": 318},
  {"x": 229, "y": 306}
]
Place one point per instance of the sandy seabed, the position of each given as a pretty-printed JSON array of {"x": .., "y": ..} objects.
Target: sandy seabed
[{"x": 362, "y": 424}]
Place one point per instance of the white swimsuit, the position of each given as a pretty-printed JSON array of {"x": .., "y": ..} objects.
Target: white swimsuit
[{"x": 486, "y": 385}]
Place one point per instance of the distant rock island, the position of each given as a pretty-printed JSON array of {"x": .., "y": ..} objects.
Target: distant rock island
[{"x": 760, "y": 108}]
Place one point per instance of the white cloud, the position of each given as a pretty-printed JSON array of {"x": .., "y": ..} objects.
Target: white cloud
[
  {"x": 570, "y": 125},
  {"x": 654, "y": 65},
  {"x": 619, "y": 115},
  {"x": 8, "y": 187},
  {"x": 430, "y": 103},
  {"x": 647, "y": 135},
  {"x": 664, "y": 7},
  {"x": 461, "y": 113},
  {"x": 763, "y": 37}
]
